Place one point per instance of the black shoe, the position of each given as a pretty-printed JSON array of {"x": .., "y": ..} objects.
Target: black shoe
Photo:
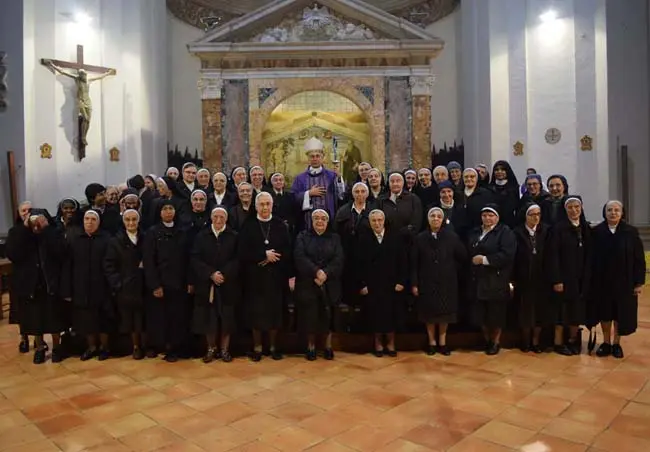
[
  {"x": 574, "y": 347},
  {"x": 151, "y": 353},
  {"x": 493, "y": 349},
  {"x": 310, "y": 355},
  {"x": 617, "y": 351},
  {"x": 138, "y": 354},
  {"x": 103, "y": 355},
  {"x": 391, "y": 353},
  {"x": 23, "y": 347},
  {"x": 57, "y": 354},
  {"x": 276, "y": 355},
  {"x": 431, "y": 350},
  {"x": 226, "y": 356},
  {"x": 256, "y": 357},
  {"x": 39, "y": 356},
  {"x": 536, "y": 349},
  {"x": 210, "y": 356},
  {"x": 444, "y": 350},
  {"x": 562, "y": 350},
  {"x": 88, "y": 354},
  {"x": 378, "y": 353},
  {"x": 525, "y": 348},
  {"x": 604, "y": 350},
  {"x": 328, "y": 354},
  {"x": 45, "y": 346},
  {"x": 171, "y": 357}
]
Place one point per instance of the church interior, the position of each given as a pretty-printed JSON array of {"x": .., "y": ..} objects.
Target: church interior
[{"x": 97, "y": 91}]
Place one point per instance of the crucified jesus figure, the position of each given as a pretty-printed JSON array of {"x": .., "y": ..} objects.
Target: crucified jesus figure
[{"x": 83, "y": 97}]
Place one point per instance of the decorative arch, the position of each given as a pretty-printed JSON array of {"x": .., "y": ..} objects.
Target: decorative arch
[{"x": 285, "y": 88}]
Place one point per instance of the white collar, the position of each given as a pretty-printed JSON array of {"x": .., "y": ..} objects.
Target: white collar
[
  {"x": 264, "y": 220},
  {"x": 279, "y": 193},
  {"x": 531, "y": 232},
  {"x": 574, "y": 223},
  {"x": 469, "y": 191},
  {"x": 169, "y": 225},
  {"x": 315, "y": 171},
  {"x": 500, "y": 182},
  {"x": 354, "y": 207},
  {"x": 447, "y": 206},
  {"x": 215, "y": 232},
  {"x": 380, "y": 234},
  {"x": 190, "y": 186},
  {"x": 220, "y": 195}
]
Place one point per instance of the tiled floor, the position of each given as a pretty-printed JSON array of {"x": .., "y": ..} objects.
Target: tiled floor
[{"x": 468, "y": 402}]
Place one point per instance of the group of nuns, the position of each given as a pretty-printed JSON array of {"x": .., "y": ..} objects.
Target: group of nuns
[{"x": 164, "y": 258}]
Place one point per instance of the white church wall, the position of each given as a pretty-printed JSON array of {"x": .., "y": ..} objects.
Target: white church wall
[
  {"x": 629, "y": 80},
  {"x": 12, "y": 119},
  {"x": 129, "y": 109},
  {"x": 185, "y": 107},
  {"x": 445, "y": 104}
]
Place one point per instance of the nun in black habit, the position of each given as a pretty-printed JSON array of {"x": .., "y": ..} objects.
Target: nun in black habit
[
  {"x": 618, "y": 278},
  {"x": 492, "y": 249},
  {"x": 474, "y": 198},
  {"x": 553, "y": 206},
  {"x": 84, "y": 283},
  {"x": 570, "y": 268},
  {"x": 267, "y": 267},
  {"x": 36, "y": 248},
  {"x": 239, "y": 213},
  {"x": 531, "y": 281},
  {"x": 199, "y": 217},
  {"x": 67, "y": 220},
  {"x": 403, "y": 210},
  {"x": 351, "y": 223},
  {"x": 109, "y": 215},
  {"x": 376, "y": 186},
  {"x": 220, "y": 196},
  {"x": 215, "y": 264},
  {"x": 124, "y": 270},
  {"x": 505, "y": 188},
  {"x": 455, "y": 215},
  {"x": 319, "y": 264},
  {"x": 384, "y": 275},
  {"x": 168, "y": 191},
  {"x": 284, "y": 206},
  {"x": 166, "y": 257},
  {"x": 436, "y": 258}
]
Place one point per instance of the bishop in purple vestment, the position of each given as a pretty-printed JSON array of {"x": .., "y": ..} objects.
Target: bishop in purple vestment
[{"x": 316, "y": 188}]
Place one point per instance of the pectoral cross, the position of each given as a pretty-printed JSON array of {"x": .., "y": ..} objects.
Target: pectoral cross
[{"x": 83, "y": 82}]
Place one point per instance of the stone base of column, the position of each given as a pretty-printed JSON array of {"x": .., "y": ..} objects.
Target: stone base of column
[{"x": 212, "y": 150}]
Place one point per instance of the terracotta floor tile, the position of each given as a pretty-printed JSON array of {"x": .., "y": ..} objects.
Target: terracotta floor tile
[
  {"x": 545, "y": 405},
  {"x": 152, "y": 438},
  {"x": 258, "y": 424},
  {"x": 462, "y": 422},
  {"x": 366, "y": 438},
  {"x": 521, "y": 417},
  {"x": 401, "y": 445},
  {"x": 328, "y": 424},
  {"x": 229, "y": 412},
  {"x": 474, "y": 444},
  {"x": 60, "y": 424},
  {"x": 436, "y": 438},
  {"x": 613, "y": 441},
  {"x": 553, "y": 443},
  {"x": 185, "y": 390},
  {"x": 571, "y": 430},
  {"x": 637, "y": 409},
  {"x": 12, "y": 419},
  {"x": 221, "y": 439},
  {"x": 296, "y": 411},
  {"x": 109, "y": 411},
  {"x": 132, "y": 423},
  {"x": 21, "y": 435},
  {"x": 82, "y": 438},
  {"x": 169, "y": 412},
  {"x": 595, "y": 415},
  {"x": 206, "y": 401},
  {"x": 255, "y": 446},
  {"x": 181, "y": 447},
  {"x": 330, "y": 446},
  {"x": 631, "y": 425},
  {"x": 26, "y": 397},
  {"x": 110, "y": 446},
  {"x": 381, "y": 398},
  {"x": 91, "y": 400},
  {"x": 291, "y": 439},
  {"x": 188, "y": 427},
  {"x": 112, "y": 381},
  {"x": 65, "y": 392},
  {"x": 359, "y": 411},
  {"x": 36, "y": 446},
  {"x": 504, "y": 434},
  {"x": 47, "y": 410},
  {"x": 327, "y": 399}
]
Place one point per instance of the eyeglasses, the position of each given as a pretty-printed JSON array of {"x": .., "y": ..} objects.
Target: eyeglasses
[{"x": 537, "y": 214}]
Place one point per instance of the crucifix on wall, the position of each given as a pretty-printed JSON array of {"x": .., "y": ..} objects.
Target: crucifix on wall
[{"x": 79, "y": 74}]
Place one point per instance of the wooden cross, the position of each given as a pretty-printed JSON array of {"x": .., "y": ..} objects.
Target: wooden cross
[{"x": 82, "y": 81}]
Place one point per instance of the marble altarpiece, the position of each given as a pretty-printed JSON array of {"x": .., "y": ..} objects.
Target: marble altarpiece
[{"x": 254, "y": 64}]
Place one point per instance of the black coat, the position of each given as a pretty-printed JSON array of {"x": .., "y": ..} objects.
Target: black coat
[
  {"x": 228, "y": 201},
  {"x": 166, "y": 256},
  {"x": 180, "y": 206},
  {"x": 209, "y": 255},
  {"x": 315, "y": 252},
  {"x": 30, "y": 253},
  {"x": 110, "y": 219},
  {"x": 499, "y": 246},
  {"x": 428, "y": 196},
  {"x": 284, "y": 207},
  {"x": 382, "y": 266},
  {"x": 435, "y": 264},
  {"x": 404, "y": 215},
  {"x": 84, "y": 278},
  {"x": 553, "y": 211},
  {"x": 265, "y": 286},
  {"x": 473, "y": 204},
  {"x": 619, "y": 267},
  {"x": 527, "y": 199},
  {"x": 198, "y": 221},
  {"x": 570, "y": 264},
  {"x": 147, "y": 198},
  {"x": 124, "y": 269},
  {"x": 507, "y": 198},
  {"x": 531, "y": 279},
  {"x": 237, "y": 216}
]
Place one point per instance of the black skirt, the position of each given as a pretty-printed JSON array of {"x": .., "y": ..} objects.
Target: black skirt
[
  {"x": 489, "y": 313},
  {"x": 569, "y": 311},
  {"x": 167, "y": 321},
  {"x": 43, "y": 314},
  {"x": 93, "y": 320},
  {"x": 314, "y": 315},
  {"x": 212, "y": 319},
  {"x": 131, "y": 319},
  {"x": 384, "y": 314}
]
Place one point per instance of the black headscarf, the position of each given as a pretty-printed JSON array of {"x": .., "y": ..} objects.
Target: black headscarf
[
  {"x": 510, "y": 174},
  {"x": 92, "y": 190},
  {"x": 136, "y": 182},
  {"x": 159, "y": 207},
  {"x": 564, "y": 182}
]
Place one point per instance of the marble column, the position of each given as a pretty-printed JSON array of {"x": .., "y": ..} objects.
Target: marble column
[
  {"x": 421, "y": 130},
  {"x": 530, "y": 66},
  {"x": 211, "y": 114},
  {"x": 398, "y": 123}
]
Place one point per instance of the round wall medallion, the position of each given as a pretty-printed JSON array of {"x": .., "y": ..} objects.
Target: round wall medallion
[{"x": 553, "y": 135}]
